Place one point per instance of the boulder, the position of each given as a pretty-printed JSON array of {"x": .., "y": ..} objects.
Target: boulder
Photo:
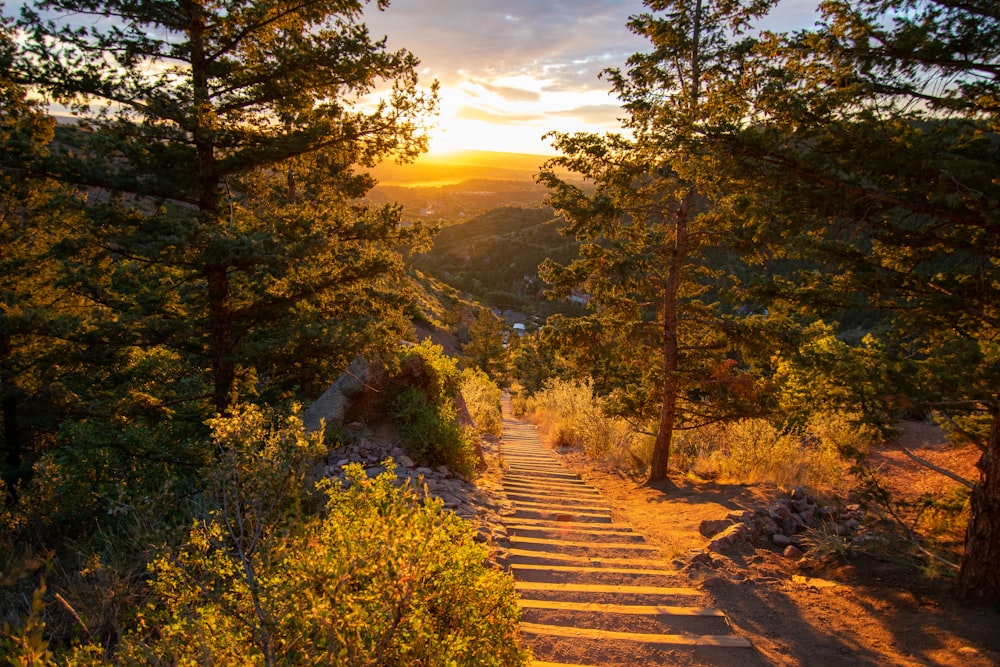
[
  {"x": 733, "y": 536},
  {"x": 712, "y": 527}
]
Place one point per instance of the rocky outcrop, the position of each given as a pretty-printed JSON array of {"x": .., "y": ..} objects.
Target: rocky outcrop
[
  {"x": 783, "y": 525},
  {"x": 345, "y": 399}
]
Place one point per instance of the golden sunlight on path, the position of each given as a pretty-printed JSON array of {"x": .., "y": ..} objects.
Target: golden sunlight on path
[{"x": 593, "y": 592}]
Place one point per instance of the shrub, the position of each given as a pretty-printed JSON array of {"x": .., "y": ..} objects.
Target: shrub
[
  {"x": 483, "y": 400},
  {"x": 431, "y": 433},
  {"x": 569, "y": 415},
  {"x": 383, "y": 578},
  {"x": 748, "y": 451},
  {"x": 424, "y": 413}
]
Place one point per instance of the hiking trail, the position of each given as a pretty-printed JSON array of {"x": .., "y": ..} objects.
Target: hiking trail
[{"x": 593, "y": 591}]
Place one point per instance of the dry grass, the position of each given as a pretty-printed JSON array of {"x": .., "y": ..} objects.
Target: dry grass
[{"x": 746, "y": 451}]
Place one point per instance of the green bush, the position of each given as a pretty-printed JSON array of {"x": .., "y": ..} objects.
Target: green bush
[
  {"x": 424, "y": 391},
  {"x": 431, "y": 433},
  {"x": 383, "y": 579}
]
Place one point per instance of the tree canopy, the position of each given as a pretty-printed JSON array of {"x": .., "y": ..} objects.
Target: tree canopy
[
  {"x": 219, "y": 147},
  {"x": 649, "y": 228}
]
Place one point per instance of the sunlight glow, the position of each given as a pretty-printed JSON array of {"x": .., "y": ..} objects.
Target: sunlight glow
[{"x": 512, "y": 114}]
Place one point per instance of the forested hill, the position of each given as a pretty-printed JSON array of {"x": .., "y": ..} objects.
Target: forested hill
[
  {"x": 495, "y": 256},
  {"x": 446, "y": 205}
]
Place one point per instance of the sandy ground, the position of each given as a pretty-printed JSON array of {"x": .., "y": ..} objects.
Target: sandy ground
[{"x": 862, "y": 611}]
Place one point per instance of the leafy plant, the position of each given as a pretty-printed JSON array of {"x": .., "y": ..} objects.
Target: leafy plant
[
  {"x": 482, "y": 398},
  {"x": 383, "y": 578},
  {"x": 424, "y": 412}
]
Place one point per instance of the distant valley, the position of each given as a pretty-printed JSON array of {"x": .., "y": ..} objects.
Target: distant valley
[
  {"x": 496, "y": 229},
  {"x": 447, "y": 190}
]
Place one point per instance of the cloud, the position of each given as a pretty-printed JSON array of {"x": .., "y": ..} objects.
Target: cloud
[
  {"x": 495, "y": 117},
  {"x": 527, "y": 66},
  {"x": 493, "y": 39},
  {"x": 510, "y": 92},
  {"x": 596, "y": 114}
]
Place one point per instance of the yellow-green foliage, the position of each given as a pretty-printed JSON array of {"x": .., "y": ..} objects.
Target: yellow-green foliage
[
  {"x": 482, "y": 398},
  {"x": 423, "y": 409},
  {"x": 23, "y": 643},
  {"x": 742, "y": 451},
  {"x": 382, "y": 578},
  {"x": 753, "y": 450},
  {"x": 274, "y": 571}
]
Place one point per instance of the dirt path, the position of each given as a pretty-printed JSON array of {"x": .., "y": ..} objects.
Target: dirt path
[{"x": 594, "y": 592}]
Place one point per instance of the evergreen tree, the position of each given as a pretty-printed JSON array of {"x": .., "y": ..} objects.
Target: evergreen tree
[
  {"x": 485, "y": 349},
  {"x": 876, "y": 143},
  {"x": 218, "y": 146},
  {"x": 34, "y": 214},
  {"x": 648, "y": 227}
]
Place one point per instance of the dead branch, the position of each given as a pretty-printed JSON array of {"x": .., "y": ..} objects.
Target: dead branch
[{"x": 937, "y": 469}]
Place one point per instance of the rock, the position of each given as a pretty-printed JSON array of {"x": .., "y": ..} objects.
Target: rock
[
  {"x": 712, "y": 527},
  {"x": 779, "y": 512},
  {"x": 333, "y": 406},
  {"x": 404, "y": 461},
  {"x": 793, "y": 552},
  {"x": 702, "y": 558},
  {"x": 732, "y": 536},
  {"x": 782, "y": 540}
]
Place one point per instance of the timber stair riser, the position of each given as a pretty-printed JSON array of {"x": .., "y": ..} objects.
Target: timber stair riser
[{"x": 592, "y": 591}]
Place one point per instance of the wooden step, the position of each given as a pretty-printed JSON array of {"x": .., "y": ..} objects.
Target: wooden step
[
  {"x": 727, "y": 641},
  {"x": 621, "y": 589},
  {"x": 582, "y": 569},
  {"x": 600, "y": 560},
  {"x": 586, "y": 527},
  {"x": 561, "y": 508},
  {"x": 636, "y": 546},
  {"x": 630, "y": 609},
  {"x": 562, "y": 516},
  {"x": 518, "y": 487}
]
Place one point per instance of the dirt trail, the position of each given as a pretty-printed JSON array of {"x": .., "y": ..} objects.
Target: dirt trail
[{"x": 594, "y": 592}]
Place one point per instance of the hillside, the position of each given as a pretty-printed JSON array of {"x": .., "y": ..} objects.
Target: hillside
[
  {"x": 446, "y": 205},
  {"x": 495, "y": 257}
]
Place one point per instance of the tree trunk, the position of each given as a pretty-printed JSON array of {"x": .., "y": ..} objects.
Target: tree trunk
[
  {"x": 979, "y": 576},
  {"x": 659, "y": 464}
]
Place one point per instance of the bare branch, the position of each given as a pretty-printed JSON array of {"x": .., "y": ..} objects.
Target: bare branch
[{"x": 937, "y": 469}]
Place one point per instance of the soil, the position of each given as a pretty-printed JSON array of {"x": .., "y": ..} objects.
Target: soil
[{"x": 871, "y": 609}]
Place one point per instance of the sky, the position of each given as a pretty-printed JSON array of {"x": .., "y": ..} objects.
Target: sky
[{"x": 512, "y": 70}]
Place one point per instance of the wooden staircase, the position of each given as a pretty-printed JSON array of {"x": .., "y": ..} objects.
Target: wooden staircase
[{"x": 594, "y": 593}]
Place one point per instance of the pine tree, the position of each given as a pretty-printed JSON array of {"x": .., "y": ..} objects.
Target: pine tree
[
  {"x": 876, "y": 144},
  {"x": 648, "y": 227},
  {"x": 35, "y": 214},
  {"x": 219, "y": 147}
]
